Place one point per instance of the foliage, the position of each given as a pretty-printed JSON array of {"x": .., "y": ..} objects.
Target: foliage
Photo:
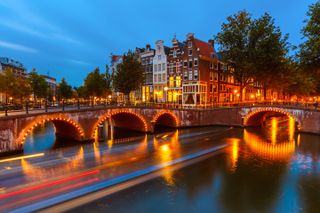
[
  {"x": 64, "y": 90},
  {"x": 95, "y": 84},
  {"x": 256, "y": 49},
  {"x": 129, "y": 75},
  {"x": 309, "y": 54},
  {"x": 7, "y": 83},
  {"x": 269, "y": 54},
  {"x": 39, "y": 86}
]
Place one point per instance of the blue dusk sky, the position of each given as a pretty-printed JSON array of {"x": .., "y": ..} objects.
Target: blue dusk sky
[{"x": 69, "y": 38}]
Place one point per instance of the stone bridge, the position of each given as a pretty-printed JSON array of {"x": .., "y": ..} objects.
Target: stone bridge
[{"x": 82, "y": 125}]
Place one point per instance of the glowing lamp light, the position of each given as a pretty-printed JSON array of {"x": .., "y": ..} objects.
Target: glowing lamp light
[{"x": 251, "y": 96}]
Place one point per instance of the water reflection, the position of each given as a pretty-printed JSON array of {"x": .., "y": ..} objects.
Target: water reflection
[
  {"x": 35, "y": 172},
  {"x": 167, "y": 148},
  {"x": 276, "y": 140}
]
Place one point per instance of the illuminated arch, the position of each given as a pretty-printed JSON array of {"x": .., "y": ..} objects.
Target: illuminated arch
[
  {"x": 144, "y": 126},
  {"x": 169, "y": 115},
  {"x": 56, "y": 120},
  {"x": 257, "y": 114}
]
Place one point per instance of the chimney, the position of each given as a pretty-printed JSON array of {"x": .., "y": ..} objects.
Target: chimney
[
  {"x": 211, "y": 41},
  {"x": 190, "y": 35}
]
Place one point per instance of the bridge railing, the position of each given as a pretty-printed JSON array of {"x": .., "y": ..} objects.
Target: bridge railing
[{"x": 87, "y": 105}]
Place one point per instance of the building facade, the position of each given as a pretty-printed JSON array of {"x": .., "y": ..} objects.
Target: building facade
[
  {"x": 160, "y": 87},
  {"x": 175, "y": 71},
  {"x": 14, "y": 66},
  {"x": 17, "y": 68},
  {"x": 52, "y": 84},
  {"x": 146, "y": 55}
]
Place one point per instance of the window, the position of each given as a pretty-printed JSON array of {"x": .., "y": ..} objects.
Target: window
[
  {"x": 190, "y": 75},
  {"x": 211, "y": 76},
  {"x": 190, "y": 52},
  {"x": 178, "y": 81},
  {"x": 163, "y": 66},
  {"x": 215, "y": 66},
  {"x": 159, "y": 57},
  {"x": 155, "y": 68},
  {"x": 159, "y": 67},
  {"x": 195, "y": 62},
  {"x": 159, "y": 78},
  {"x": 185, "y": 64},
  {"x": 190, "y": 64},
  {"x": 211, "y": 87},
  {"x": 171, "y": 81},
  {"x": 163, "y": 77},
  {"x": 174, "y": 53},
  {"x": 214, "y": 88},
  {"x": 189, "y": 44},
  {"x": 185, "y": 76}
]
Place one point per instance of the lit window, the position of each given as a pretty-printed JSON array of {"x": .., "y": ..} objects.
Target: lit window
[
  {"x": 171, "y": 81},
  {"x": 178, "y": 81}
]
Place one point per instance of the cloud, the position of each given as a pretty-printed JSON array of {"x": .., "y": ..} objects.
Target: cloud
[
  {"x": 78, "y": 62},
  {"x": 19, "y": 47}
]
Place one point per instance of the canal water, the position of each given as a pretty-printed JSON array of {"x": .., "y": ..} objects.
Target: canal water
[{"x": 267, "y": 169}]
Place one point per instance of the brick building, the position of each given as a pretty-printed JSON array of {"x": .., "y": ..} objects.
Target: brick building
[{"x": 174, "y": 92}]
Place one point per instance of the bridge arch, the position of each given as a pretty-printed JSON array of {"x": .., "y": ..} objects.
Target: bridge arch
[
  {"x": 64, "y": 127},
  {"x": 124, "y": 119},
  {"x": 257, "y": 116},
  {"x": 166, "y": 118}
]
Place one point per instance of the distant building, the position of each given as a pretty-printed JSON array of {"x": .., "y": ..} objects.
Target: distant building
[
  {"x": 146, "y": 56},
  {"x": 17, "y": 68},
  {"x": 160, "y": 72},
  {"x": 14, "y": 66},
  {"x": 52, "y": 84}
]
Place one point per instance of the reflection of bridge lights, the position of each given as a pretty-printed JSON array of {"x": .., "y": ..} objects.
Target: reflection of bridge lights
[
  {"x": 274, "y": 130},
  {"x": 234, "y": 153},
  {"x": 267, "y": 150}
]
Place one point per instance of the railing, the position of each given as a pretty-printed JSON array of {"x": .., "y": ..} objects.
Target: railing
[{"x": 87, "y": 105}]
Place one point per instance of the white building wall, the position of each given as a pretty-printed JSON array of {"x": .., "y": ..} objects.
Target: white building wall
[{"x": 160, "y": 73}]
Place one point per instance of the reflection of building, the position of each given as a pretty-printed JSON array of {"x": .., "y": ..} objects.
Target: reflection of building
[
  {"x": 17, "y": 68},
  {"x": 146, "y": 55},
  {"x": 52, "y": 84},
  {"x": 160, "y": 72},
  {"x": 175, "y": 72}
]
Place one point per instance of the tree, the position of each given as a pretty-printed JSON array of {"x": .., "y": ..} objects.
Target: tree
[
  {"x": 95, "y": 84},
  {"x": 256, "y": 48},
  {"x": 81, "y": 92},
  {"x": 22, "y": 89},
  {"x": 309, "y": 54},
  {"x": 129, "y": 75},
  {"x": 269, "y": 53},
  {"x": 64, "y": 90},
  {"x": 7, "y": 84},
  {"x": 39, "y": 86},
  {"x": 235, "y": 47}
]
